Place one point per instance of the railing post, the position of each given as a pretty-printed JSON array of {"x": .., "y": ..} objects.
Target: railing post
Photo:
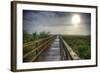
[{"x": 36, "y": 45}]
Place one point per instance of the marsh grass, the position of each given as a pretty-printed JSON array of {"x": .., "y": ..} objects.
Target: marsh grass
[{"x": 80, "y": 44}]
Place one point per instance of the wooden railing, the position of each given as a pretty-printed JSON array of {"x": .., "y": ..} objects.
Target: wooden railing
[
  {"x": 34, "y": 42},
  {"x": 37, "y": 48},
  {"x": 67, "y": 52}
]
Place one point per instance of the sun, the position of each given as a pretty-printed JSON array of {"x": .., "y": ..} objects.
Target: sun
[{"x": 76, "y": 19}]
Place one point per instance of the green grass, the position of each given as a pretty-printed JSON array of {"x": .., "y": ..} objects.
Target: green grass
[{"x": 80, "y": 44}]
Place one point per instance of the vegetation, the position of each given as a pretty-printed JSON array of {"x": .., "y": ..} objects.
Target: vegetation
[
  {"x": 80, "y": 44},
  {"x": 26, "y": 37},
  {"x": 34, "y": 36}
]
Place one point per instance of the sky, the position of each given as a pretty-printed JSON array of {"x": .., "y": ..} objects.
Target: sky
[{"x": 57, "y": 22}]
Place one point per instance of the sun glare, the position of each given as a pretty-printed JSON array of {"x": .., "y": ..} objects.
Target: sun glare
[{"x": 75, "y": 19}]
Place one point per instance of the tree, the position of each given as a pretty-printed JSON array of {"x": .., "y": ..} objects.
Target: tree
[
  {"x": 44, "y": 34},
  {"x": 35, "y": 36},
  {"x": 26, "y": 37}
]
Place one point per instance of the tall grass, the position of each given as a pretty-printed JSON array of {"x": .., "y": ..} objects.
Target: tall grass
[{"x": 80, "y": 44}]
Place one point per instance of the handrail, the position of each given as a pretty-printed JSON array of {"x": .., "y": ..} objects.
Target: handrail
[
  {"x": 72, "y": 54},
  {"x": 33, "y": 42},
  {"x": 41, "y": 50},
  {"x": 38, "y": 48},
  {"x": 34, "y": 49}
]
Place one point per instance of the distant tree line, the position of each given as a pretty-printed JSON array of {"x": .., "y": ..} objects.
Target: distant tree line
[{"x": 35, "y": 36}]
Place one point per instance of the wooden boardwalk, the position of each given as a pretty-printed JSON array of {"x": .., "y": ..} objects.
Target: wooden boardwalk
[
  {"x": 52, "y": 53},
  {"x": 53, "y": 48}
]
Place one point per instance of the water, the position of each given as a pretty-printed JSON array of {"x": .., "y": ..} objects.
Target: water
[{"x": 52, "y": 53}]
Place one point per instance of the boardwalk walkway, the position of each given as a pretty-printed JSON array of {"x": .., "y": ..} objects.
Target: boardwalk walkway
[{"x": 52, "y": 53}]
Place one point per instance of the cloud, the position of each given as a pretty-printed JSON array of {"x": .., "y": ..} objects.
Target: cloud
[{"x": 54, "y": 22}]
